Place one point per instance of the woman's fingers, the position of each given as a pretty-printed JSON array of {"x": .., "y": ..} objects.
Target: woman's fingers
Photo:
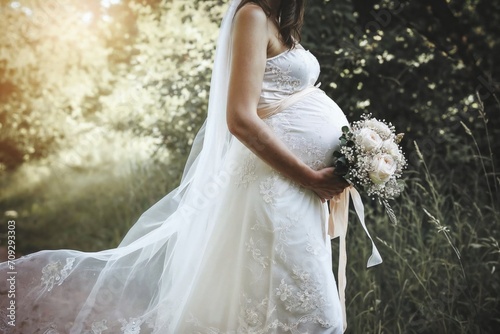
[{"x": 329, "y": 185}]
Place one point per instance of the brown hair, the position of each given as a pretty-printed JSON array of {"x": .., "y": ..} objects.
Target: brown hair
[{"x": 291, "y": 18}]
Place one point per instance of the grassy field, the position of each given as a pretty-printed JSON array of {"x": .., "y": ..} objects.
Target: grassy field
[{"x": 439, "y": 273}]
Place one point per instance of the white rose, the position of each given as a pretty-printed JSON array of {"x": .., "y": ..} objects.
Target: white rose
[
  {"x": 381, "y": 128},
  {"x": 368, "y": 139},
  {"x": 391, "y": 147},
  {"x": 383, "y": 166}
]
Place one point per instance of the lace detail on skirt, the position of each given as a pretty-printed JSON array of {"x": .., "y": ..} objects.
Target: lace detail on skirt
[
  {"x": 260, "y": 317},
  {"x": 247, "y": 171},
  {"x": 55, "y": 273},
  {"x": 98, "y": 327}
]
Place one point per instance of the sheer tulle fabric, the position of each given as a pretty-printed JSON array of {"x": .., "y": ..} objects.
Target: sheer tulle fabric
[{"x": 236, "y": 248}]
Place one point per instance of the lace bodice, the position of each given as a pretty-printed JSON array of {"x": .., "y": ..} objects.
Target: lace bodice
[{"x": 288, "y": 73}]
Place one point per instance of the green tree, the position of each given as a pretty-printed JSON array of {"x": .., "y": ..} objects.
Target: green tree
[{"x": 53, "y": 64}]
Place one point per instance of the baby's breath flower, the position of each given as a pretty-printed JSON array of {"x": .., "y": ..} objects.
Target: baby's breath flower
[{"x": 374, "y": 158}]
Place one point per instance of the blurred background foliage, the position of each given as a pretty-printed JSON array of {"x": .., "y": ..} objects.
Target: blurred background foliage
[{"x": 101, "y": 99}]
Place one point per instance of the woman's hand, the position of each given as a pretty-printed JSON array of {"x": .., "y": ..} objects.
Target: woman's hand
[{"x": 325, "y": 183}]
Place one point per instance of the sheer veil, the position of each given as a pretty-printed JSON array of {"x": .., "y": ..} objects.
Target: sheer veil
[{"x": 145, "y": 282}]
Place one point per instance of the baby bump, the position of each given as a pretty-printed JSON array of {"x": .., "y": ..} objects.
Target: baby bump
[{"x": 310, "y": 128}]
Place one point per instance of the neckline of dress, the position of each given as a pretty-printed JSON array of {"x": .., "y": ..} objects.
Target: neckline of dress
[{"x": 298, "y": 47}]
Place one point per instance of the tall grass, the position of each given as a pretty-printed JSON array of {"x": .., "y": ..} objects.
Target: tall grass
[{"x": 440, "y": 263}]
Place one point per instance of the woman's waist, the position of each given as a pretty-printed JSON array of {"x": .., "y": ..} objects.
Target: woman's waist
[{"x": 277, "y": 102}]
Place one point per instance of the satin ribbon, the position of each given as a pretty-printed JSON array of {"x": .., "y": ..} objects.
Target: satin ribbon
[
  {"x": 279, "y": 106},
  {"x": 337, "y": 227}
]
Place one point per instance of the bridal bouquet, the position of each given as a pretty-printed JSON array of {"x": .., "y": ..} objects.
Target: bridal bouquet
[{"x": 370, "y": 158}]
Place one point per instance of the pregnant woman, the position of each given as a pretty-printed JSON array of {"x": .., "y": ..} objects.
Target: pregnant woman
[{"x": 242, "y": 245}]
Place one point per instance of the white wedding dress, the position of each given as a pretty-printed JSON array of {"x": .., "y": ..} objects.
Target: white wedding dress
[
  {"x": 245, "y": 251},
  {"x": 271, "y": 252}
]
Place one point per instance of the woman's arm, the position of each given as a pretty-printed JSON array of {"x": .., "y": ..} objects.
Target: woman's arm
[{"x": 249, "y": 54}]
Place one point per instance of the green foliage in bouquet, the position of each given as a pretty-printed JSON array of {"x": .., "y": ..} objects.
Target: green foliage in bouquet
[{"x": 341, "y": 164}]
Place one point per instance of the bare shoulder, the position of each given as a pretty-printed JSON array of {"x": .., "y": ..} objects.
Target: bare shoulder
[{"x": 251, "y": 15}]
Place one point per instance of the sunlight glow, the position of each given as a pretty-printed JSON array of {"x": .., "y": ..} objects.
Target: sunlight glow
[
  {"x": 27, "y": 11},
  {"x": 87, "y": 17},
  {"x": 109, "y": 3}
]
